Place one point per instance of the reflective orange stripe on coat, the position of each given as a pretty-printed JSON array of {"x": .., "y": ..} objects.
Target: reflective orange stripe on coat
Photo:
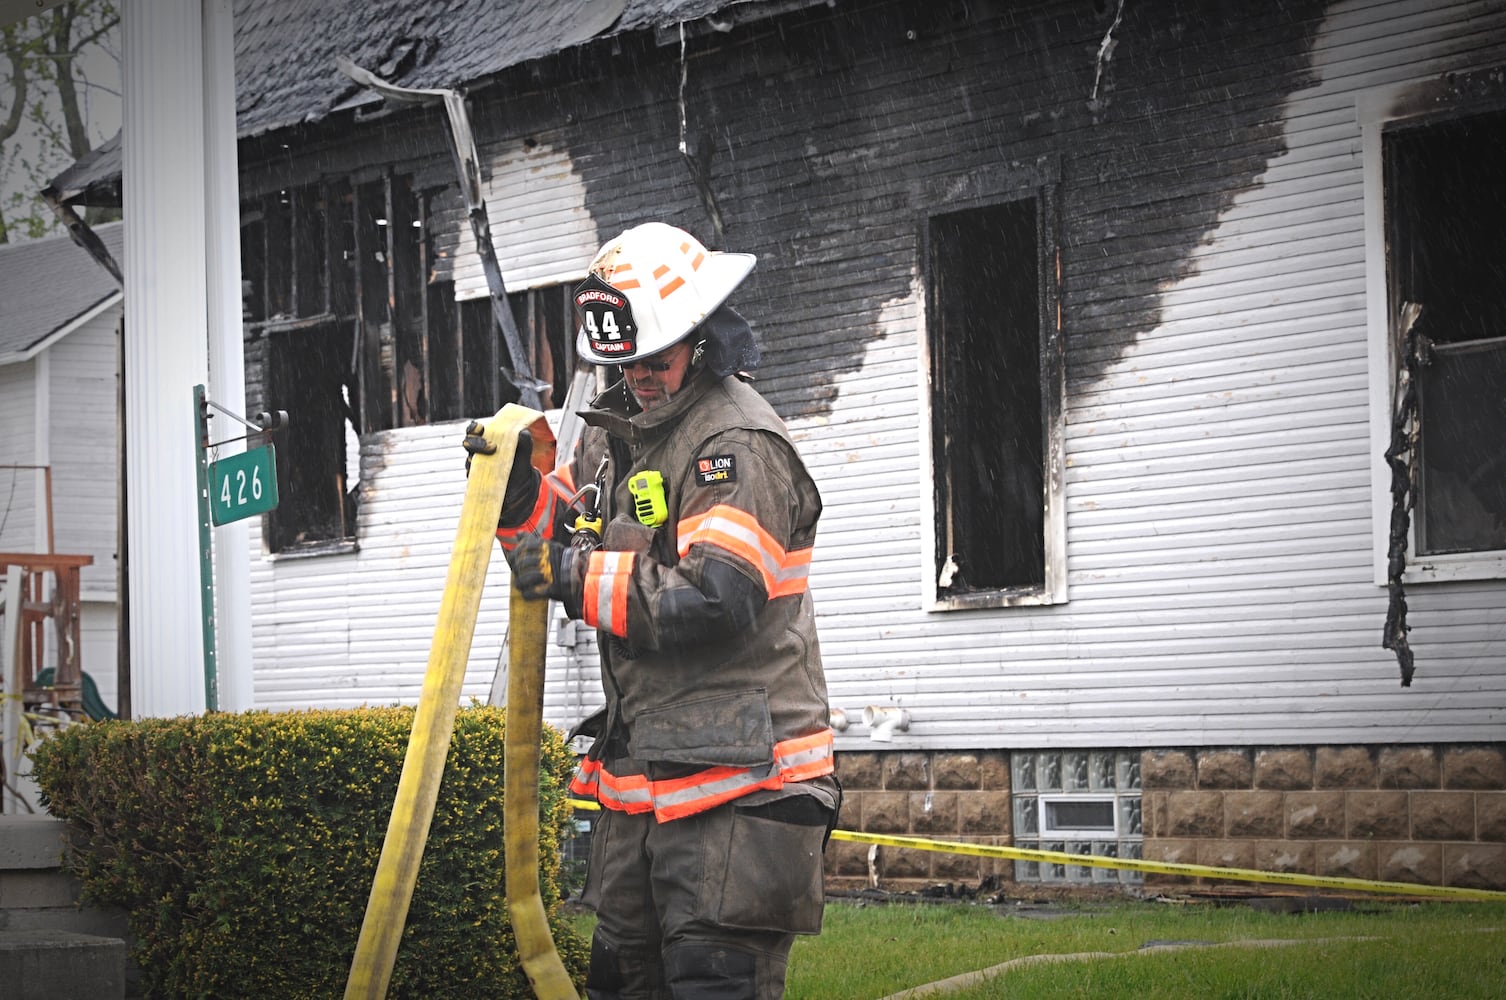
[
  {"x": 739, "y": 533},
  {"x": 556, "y": 488},
  {"x": 609, "y": 575},
  {"x": 562, "y": 481},
  {"x": 798, "y": 759},
  {"x": 540, "y": 520}
]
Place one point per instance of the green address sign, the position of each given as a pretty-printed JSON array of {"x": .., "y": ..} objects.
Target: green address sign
[{"x": 243, "y": 485}]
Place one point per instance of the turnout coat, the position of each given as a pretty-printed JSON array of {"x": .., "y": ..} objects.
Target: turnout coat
[{"x": 709, "y": 658}]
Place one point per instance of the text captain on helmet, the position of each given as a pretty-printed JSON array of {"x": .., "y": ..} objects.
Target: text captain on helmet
[{"x": 713, "y": 757}]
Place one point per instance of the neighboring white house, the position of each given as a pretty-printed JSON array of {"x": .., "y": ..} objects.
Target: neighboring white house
[{"x": 60, "y": 315}]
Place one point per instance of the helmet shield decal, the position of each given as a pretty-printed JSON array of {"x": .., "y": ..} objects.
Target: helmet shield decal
[{"x": 606, "y": 316}]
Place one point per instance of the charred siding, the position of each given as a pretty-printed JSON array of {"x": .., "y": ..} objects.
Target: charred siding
[
  {"x": 1214, "y": 280},
  {"x": 828, "y": 131}
]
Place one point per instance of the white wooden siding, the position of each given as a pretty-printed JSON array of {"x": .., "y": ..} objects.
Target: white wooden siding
[
  {"x": 1218, "y": 491},
  {"x": 535, "y": 205},
  {"x": 82, "y": 445},
  {"x": 18, "y": 506},
  {"x": 356, "y": 629},
  {"x": 99, "y": 631}
]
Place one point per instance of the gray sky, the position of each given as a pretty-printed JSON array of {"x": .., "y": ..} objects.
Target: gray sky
[{"x": 99, "y": 90}]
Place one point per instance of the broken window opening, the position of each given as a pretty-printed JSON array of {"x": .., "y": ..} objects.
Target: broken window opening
[
  {"x": 306, "y": 374},
  {"x": 1446, "y": 229},
  {"x": 374, "y": 294},
  {"x": 474, "y": 362},
  {"x": 341, "y": 279},
  {"x": 471, "y": 366},
  {"x": 995, "y": 394},
  {"x": 546, "y": 326},
  {"x": 407, "y": 277}
]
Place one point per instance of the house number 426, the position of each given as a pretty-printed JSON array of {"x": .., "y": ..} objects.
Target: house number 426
[
  {"x": 243, "y": 485},
  {"x": 240, "y": 488}
]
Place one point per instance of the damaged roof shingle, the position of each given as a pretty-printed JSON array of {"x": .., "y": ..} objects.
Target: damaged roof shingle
[
  {"x": 438, "y": 44},
  {"x": 285, "y": 52}
]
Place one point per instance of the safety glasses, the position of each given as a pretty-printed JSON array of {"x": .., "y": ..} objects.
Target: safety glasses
[{"x": 653, "y": 366}]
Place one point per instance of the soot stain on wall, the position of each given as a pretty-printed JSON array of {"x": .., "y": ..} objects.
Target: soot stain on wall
[{"x": 829, "y": 128}]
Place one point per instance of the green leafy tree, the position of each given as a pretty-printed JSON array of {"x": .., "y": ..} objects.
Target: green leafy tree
[{"x": 59, "y": 83}]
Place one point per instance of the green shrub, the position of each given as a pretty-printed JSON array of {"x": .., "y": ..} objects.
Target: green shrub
[{"x": 244, "y": 847}]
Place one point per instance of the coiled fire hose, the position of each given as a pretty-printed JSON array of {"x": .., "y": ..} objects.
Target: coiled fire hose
[{"x": 434, "y": 724}]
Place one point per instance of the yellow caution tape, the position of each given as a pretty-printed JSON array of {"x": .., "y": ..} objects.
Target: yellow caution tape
[
  {"x": 1171, "y": 867},
  {"x": 1153, "y": 867}
]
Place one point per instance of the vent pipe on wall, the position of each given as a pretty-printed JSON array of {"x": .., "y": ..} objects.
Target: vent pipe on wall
[{"x": 884, "y": 721}]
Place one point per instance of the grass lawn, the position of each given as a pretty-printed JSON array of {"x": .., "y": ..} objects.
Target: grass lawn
[{"x": 1382, "y": 950}]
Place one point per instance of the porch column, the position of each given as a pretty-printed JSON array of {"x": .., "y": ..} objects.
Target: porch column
[
  {"x": 227, "y": 368},
  {"x": 166, "y": 347}
]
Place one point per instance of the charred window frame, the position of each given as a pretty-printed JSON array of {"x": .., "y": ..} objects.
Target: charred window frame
[
  {"x": 351, "y": 330},
  {"x": 1446, "y": 222},
  {"x": 1434, "y": 154},
  {"x": 996, "y": 384},
  {"x": 546, "y": 325},
  {"x": 299, "y": 359}
]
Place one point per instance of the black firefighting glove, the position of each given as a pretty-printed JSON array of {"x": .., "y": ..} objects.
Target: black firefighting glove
[
  {"x": 544, "y": 569},
  {"x": 522, "y": 482}
]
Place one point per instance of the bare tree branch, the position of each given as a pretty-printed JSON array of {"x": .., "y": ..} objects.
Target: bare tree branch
[
  {"x": 63, "y": 53},
  {"x": 47, "y": 89},
  {"x": 15, "y": 52},
  {"x": 97, "y": 35}
]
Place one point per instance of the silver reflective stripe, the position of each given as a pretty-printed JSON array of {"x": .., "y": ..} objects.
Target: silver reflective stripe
[
  {"x": 707, "y": 789},
  {"x": 800, "y": 572},
  {"x": 636, "y": 796},
  {"x": 681, "y": 801},
  {"x": 591, "y": 783},
  {"x": 745, "y": 778},
  {"x": 803, "y": 757},
  {"x": 726, "y": 526}
]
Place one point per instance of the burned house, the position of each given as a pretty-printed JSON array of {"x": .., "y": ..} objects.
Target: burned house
[{"x": 1088, "y": 318}]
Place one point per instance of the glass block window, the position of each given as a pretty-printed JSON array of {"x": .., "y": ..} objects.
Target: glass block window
[{"x": 1077, "y": 802}]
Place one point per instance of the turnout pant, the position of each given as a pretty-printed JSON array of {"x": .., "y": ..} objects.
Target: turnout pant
[{"x": 705, "y": 907}]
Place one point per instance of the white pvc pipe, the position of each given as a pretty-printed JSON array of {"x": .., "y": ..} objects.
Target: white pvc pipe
[{"x": 883, "y": 722}]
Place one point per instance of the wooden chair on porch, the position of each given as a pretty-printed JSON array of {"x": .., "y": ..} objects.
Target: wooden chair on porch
[{"x": 61, "y": 605}]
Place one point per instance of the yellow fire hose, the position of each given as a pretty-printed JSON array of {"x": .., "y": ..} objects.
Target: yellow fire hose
[{"x": 434, "y": 724}]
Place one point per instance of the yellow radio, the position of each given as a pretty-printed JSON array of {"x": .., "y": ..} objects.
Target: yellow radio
[{"x": 647, "y": 489}]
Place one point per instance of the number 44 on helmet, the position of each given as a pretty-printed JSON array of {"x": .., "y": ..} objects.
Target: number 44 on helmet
[{"x": 648, "y": 289}]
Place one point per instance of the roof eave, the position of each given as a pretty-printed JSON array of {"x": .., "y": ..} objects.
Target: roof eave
[{"x": 48, "y": 339}]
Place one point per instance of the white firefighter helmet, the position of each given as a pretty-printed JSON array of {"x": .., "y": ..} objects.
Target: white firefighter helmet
[{"x": 647, "y": 289}]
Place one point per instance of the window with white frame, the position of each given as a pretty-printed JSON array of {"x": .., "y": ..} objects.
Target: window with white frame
[
  {"x": 996, "y": 378},
  {"x": 1436, "y": 272},
  {"x": 1446, "y": 227}
]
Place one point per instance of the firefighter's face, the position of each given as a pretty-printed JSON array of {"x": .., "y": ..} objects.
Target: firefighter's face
[{"x": 654, "y": 379}]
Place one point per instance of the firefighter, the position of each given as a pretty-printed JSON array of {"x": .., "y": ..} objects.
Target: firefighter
[{"x": 712, "y": 759}]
